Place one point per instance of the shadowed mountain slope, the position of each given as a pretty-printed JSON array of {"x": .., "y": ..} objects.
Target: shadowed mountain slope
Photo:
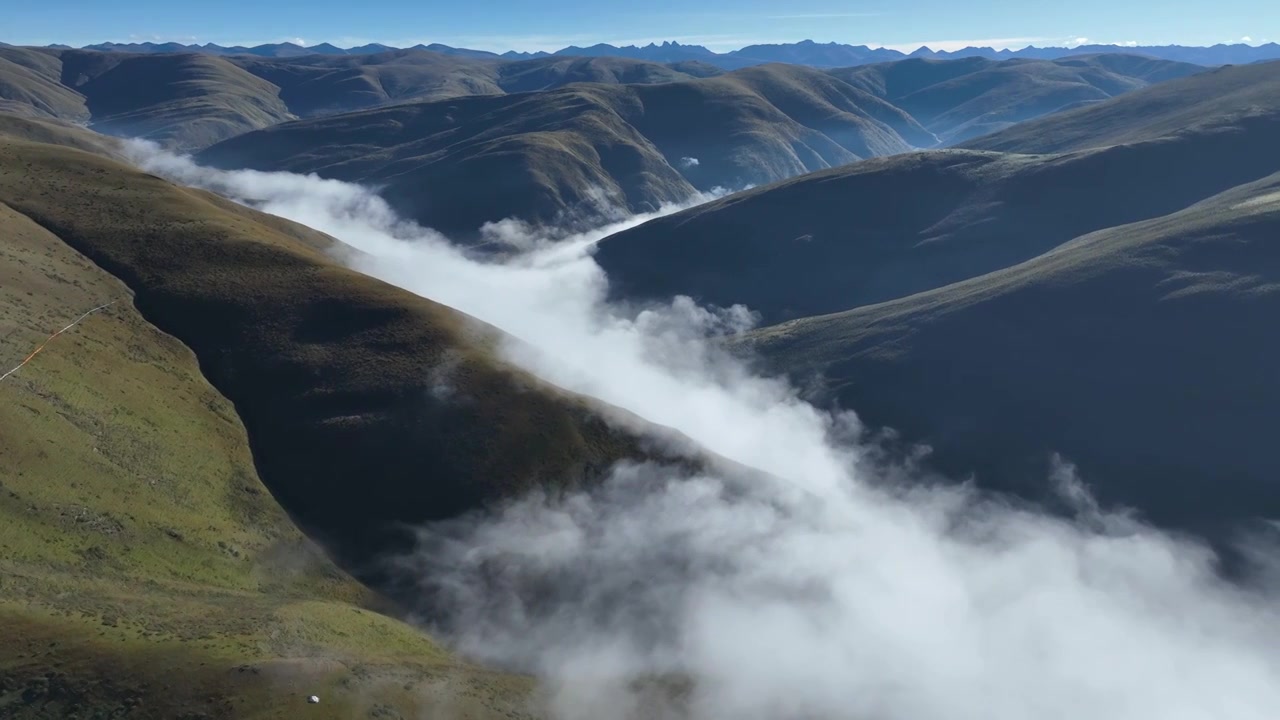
[
  {"x": 31, "y": 85},
  {"x": 145, "y": 570},
  {"x": 182, "y": 101},
  {"x": 188, "y": 101},
  {"x": 321, "y": 84},
  {"x": 892, "y": 227},
  {"x": 552, "y": 72},
  {"x": 549, "y": 155},
  {"x": 960, "y": 99},
  {"x": 1142, "y": 352},
  {"x": 1208, "y": 102},
  {"x": 1107, "y": 303},
  {"x": 457, "y": 164},
  {"x": 336, "y": 376},
  {"x": 58, "y": 132}
]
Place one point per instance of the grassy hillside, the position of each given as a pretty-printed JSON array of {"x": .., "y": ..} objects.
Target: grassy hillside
[
  {"x": 149, "y": 565},
  {"x": 1142, "y": 352},
  {"x": 144, "y": 568},
  {"x": 892, "y": 227},
  {"x": 322, "y": 84},
  {"x": 1218, "y": 100},
  {"x": 180, "y": 101},
  {"x": 190, "y": 100},
  {"x": 859, "y": 122},
  {"x": 542, "y": 156},
  {"x": 1108, "y": 303},
  {"x": 57, "y": 132},
  {"x": 459, "y": 163},
  {"x": 30, "y": 85},
  {"x": 556, "y": 71},
  {"x": 337, "y": 377},
  {"x": 965, "y": 98}
]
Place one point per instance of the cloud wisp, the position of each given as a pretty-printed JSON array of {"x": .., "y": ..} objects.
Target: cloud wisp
[
  {"x": 832, "y": 589},
  {"x": 1009, "y": 43}
]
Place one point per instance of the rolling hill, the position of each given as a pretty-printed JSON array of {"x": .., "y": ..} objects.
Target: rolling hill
[
  {"x": 648, "y": 133},
  {"x": 330, "y": 371},
  {"x": 1108, "y": 303},
  {"x": 57, "y": 132},
  {"x": 752, "y": 126},
  {"x": 323, "y": 84},
  {"x": 1140, "y": 352},
  {"x": 151, "y": 562},
  {"x": 459, "y": 163},
  {"x": 552, "y": 72},
  {"x": 961, "y": 99},
  {"x": 188, "y": 101},
  {"x": 320, "y": 84},
  {"x": 31, "y": 85},
  {"x": 182, "y": 101},
  {"x": 548, "y": 156},
  {"x": 144, "y": 568},
  {"x": 891, "y": 227},
  {"x": 1216, "y": 101}
]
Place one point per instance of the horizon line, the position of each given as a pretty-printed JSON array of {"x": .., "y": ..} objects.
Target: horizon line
[{"x": 896, "y": 47}]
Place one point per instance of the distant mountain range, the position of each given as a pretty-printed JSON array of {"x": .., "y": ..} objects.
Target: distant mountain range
[
  {"x": 806, "y": 52},
  {"x": 556, "y": 150},
  {"x": 433, "y": 130}
]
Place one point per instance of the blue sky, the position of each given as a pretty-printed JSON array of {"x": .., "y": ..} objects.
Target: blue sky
[{"x": 719, "y": 24}]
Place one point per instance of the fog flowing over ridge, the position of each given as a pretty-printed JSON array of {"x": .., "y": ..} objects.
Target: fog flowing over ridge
[{"x": 835, "y": 589}]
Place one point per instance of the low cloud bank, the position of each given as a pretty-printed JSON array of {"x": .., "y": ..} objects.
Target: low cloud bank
[{"x": 835, "y": 589}]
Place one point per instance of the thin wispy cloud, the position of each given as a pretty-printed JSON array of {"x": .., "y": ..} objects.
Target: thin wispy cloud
[
  {"x": 1014, "y": 43},
  {"x": 503, "y": 43},
  {"x": 716, "y": 42},
  {"x": 136, "y": 38},
  {"x": 552, "y": 43},
  {"x": 823, "y": 16},
  {"x": 707, "y": 39},
  {"x": 225, "y": 41}
]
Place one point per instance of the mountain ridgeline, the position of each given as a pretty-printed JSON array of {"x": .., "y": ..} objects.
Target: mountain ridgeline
[
  {"x": 1139, "y": 353},
  {"x": 543, "y": 156},
  {"x": 190, "y": 101},
  {"x": 332, "y": 372},
  {"x": 805, "y": 52},
  {"x": 147, "y": 563},
  {"x": 1100, "y": 291},
  {"x": 554, "y": 140},
  {"x": 895, "y": 226},
  {"x": 547, "y": 157},
  {"x": 961, "y": 99}
]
